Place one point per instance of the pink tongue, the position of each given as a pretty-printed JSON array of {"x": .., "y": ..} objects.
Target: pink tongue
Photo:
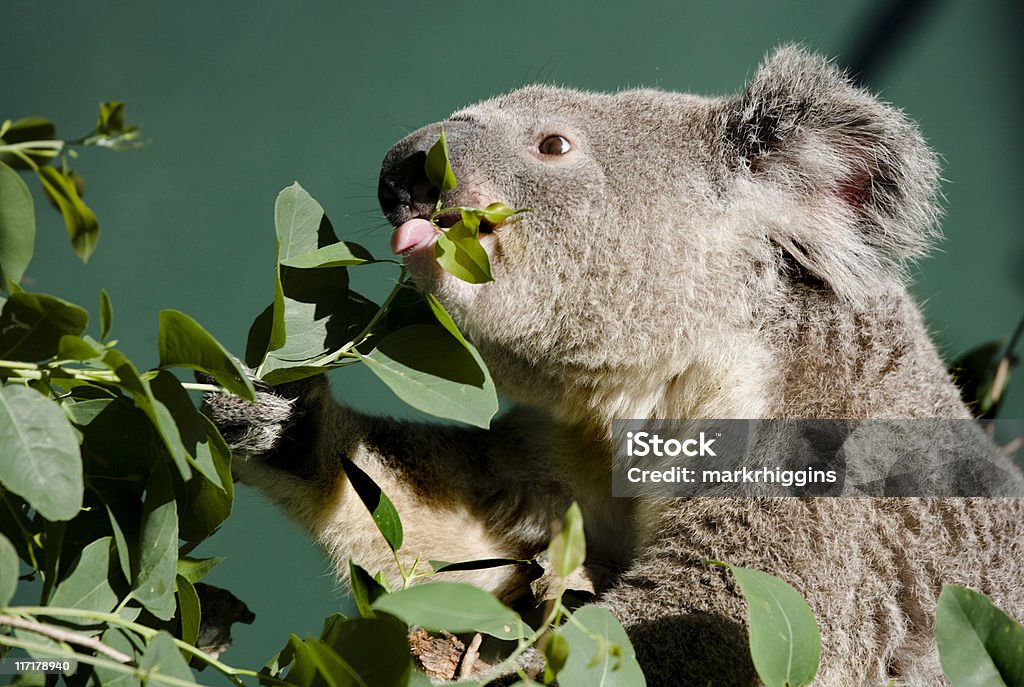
[{"x": 411, "y": 234}]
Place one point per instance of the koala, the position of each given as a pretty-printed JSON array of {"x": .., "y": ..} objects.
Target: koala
[{"x": 683, "y": 257}]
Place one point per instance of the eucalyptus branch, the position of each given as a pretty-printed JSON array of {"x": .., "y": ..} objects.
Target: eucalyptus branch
[
  {"x": 344, "y": 351},
  {"x": 62, "y": 635},
  {"x": 153, "y": 677},
  {"x": 142, "y": 630}
]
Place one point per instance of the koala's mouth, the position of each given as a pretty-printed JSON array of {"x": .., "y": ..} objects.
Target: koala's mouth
[
  {"x": 418, "y": 233},
  {"x": 447, "y": 220}
]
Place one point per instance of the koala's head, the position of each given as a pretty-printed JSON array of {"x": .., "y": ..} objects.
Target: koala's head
[{"x": 659, "y": 222}]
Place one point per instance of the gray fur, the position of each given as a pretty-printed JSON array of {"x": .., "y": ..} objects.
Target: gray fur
[{"x": 734, "y": 257}]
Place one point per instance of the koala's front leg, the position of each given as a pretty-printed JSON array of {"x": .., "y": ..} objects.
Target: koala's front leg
[{"x": 462, "y": 494}]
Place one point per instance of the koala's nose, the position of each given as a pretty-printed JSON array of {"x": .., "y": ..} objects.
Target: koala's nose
[{"x": 404, "y": 190}]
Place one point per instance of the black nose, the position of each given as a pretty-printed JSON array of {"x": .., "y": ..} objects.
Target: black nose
[{"x": 404, "y": 191}]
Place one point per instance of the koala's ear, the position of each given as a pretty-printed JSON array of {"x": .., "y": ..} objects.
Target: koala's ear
[{"x": 864, "y": 179}]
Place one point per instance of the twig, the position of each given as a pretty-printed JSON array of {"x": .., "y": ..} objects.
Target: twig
[
  {"x": 469, "y": 657},
  {"x": 62, "y": 635}
]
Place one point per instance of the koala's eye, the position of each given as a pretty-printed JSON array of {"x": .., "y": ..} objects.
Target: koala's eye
[{"x": 554, "y": 145}]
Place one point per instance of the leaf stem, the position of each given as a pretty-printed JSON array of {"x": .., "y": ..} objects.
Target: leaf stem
[
  {"x": 150, "y": 676},
  {"x": 62, "y": 635},
  {"x": 363, "y": 335},
  {"x": 146, "y": 632},
  {"x": 49, "y": 148}
]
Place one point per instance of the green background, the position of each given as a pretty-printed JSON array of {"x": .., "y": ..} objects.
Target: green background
[{"x": 240, "y": 99}]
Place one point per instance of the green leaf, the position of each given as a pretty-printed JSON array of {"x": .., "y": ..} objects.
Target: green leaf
[
  {"x": 79, "y": 348},
  {"x": 433, "y": 371},
  {"x": 341, "y": 254},
  {"x": 184, "y": 343},
  {"x": 88, "y": 585},
  {"x": 83, "y": 228},
  {"x": 8, "y": 571},
  {"x": 444, "y": 318},
  {"x": 459, "y": 252},
  {"x": 32, "y": 324},
  {"x": 481, "y": 564},
  {"x": 162, "y": 657},
  {"x": 17, "y": 226},
  {"x": 28, "y": 129},
  {"x": 111, "y": 120},
  {"x": 158, "y": 413},
  {"x": 39, "y": 455},
  {"x": 195, "y": 569},
  {"x": 106, "y": 314},
  {"x": 979, "y": 645},
  {"x": 496, "y": 213},
  {"x": 334, "y": 670},
  {"x": 376, "y": 648},
  {"x": 607, "y": 662},
  {"x": 314, "y": 306},
  {"x": 568, "y": 548},
  {"x": 124, "y": 555},
  {"x": 158, "y": 548},
  {"x": 377, "y": 502},
  {"x": 785, "y": 643},
  {"x": 208, "y": 500},
  {"x": 453, "y": 607},
  {"x": 189, "y": 609},
  {"x": 83, "y": 412},
  {"x": 438, "y": 166},
  {"x": 365, "y": 589},
  {"x": 121, "y": 640},
  {"x": 556, "y": 653},
  {"x": 299, "y": 223}
]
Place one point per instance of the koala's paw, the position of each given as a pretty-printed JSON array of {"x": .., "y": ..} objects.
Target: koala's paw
[{"x": 256, "y": 428}]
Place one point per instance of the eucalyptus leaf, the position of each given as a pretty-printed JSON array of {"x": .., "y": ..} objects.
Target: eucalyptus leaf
[
  {"x": 8, "y": 570},
  {"x": 124, "y": 554},
  {"x": 32, "y": 324},
  {"x": 78, "y": 348},
  {"x": 24, "y": 130},
  {"x": 111, "y": 119},
  {"x": 183, "y": 342},
  {"x": 341, "y": 254},
  {"x": 17, "y": 226},
  {"x": 88, "y": 586},
  {"x": 785, "y": 643},
  {"x": 163, "y": 657},
  {"x": 556, "y": 653},
  {"x": 106, "y": 314},
  {"x": 332, "y": 668},
  {"x": 376, "y": 648},
  {"x": 453, "y": 607},
  {"x": 459, "y": 252},
  {"x": 315, "y": 308},
  {"x": 608, "y": 662},
  {"x": 438, "y": 166},
  {"x": 568, "y": 548},
  {"x": 83, "y": 227},
  {"x": 121, "y": 640},
  {"x": 365, "y": 589},
  {"x": 979, "y": 645},
  {"x": 377, "y": 502},
  {"x": 195, "y": 569},
  {"x": 431, "y": 370},
  {"x": 39, "y": 454},
  {"x": 189, "y": 609},
  {"x": 83, "y": 412},
  {"x": 161, "y": 417},
  {"x": 158, "y": 548}
]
